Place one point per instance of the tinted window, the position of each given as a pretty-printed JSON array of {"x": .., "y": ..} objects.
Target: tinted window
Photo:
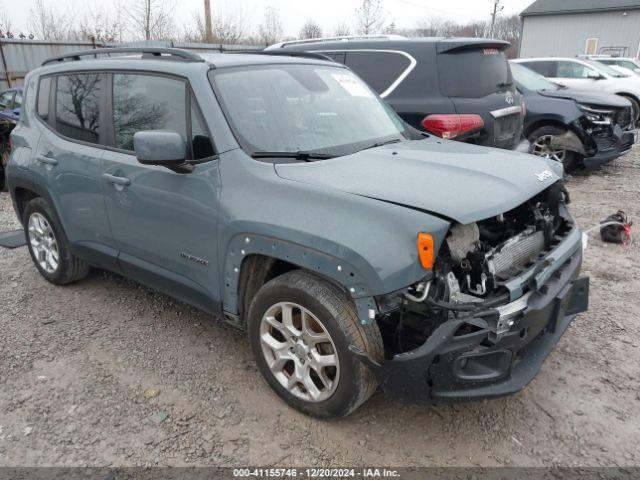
[
  {"x": 44, "y": 87},
  {"x": 473, "y": 73},
  {"x": 378, "y": 69},
  {"x": 78, "y": 106},
  {"x": 572, "y": 70},
  {"x": 543, "y": 68},
  {"x": 201, "y": 144},
  {"x": 5, "y": 99},
  {"x": 147, "y": 102}
]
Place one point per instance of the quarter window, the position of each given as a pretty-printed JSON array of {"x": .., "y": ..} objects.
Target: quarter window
[
  {"x": 147, "y": 102},
  {"x": 368, "y": 66},
  {"x": 78, "y": 106},
  {"x": 44, "y": 87},
  {"x": 201, "y": 144}
]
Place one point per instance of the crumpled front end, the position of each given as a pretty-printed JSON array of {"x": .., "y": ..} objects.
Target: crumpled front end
[
  {"x": 501, "y": 294},
  {"x": 600, "y": 135}
]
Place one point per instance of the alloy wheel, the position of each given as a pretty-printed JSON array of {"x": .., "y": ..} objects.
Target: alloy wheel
[
  {"x": 43, "y": 243},
  {"x": 299, "y": 351},
  {"x": 542, "y": 148}
]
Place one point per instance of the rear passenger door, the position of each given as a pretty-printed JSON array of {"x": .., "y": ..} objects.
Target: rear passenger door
[
  {"x": 68, "y": 158},
  {"x": 164, "y": 222}
]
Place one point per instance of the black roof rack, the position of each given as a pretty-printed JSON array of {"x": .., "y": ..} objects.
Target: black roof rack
[
  {"x": 147, "y": 52},
  {"x": 291, "y": 53}
]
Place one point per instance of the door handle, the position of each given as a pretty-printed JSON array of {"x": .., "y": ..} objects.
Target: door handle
[
  {"x": 47, "y": 160},
  {"x": 122, "y": 181}
]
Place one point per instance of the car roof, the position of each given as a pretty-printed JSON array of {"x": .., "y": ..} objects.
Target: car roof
[
  {"x": 447, "y": 43},
  {"x": 205, "y": 62}
]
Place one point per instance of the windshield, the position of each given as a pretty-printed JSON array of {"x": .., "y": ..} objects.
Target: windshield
[
  {"x": 303, "y": 108},
  {"x": 606, "y": 70},
  {"x": 530, "y": 80}
]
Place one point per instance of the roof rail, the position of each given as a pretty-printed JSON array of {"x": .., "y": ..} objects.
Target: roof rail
[
  {"x": 147, "y": 52},
  {"x": 344, "y": 38},
  {"x": 291, "y": 53}
]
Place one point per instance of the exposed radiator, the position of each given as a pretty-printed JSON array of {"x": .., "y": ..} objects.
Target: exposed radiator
[{"x": 516, "y": 252}]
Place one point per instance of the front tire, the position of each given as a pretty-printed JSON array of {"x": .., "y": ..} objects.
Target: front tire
[
  {"x": 49, "y": 247},
  {"x": 300, "y": 327}
]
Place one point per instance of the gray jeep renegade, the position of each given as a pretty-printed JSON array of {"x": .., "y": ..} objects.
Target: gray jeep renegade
[{"x": 279, "y": 192}]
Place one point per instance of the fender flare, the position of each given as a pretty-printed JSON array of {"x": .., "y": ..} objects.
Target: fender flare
[{"x": 334, "y": 268}]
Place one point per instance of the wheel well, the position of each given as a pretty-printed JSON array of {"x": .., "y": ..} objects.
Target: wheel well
[
  {"x": 22, "y": 197},
  {"x": 543, "y": 123},
  {"x": 629, "y": 95},
  {"x": 255, "y": 271}
]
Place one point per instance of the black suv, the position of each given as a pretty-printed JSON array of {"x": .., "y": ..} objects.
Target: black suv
[{"x": 455, "y": 88}]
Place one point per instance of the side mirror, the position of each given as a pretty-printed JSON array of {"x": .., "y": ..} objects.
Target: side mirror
[
  {"x": 594, "y": 75},
  {"x": 162, "y": 147}
]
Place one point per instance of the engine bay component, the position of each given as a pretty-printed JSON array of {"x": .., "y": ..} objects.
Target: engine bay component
[
  {"x": 461, "y": 240},
  {"x": 518, "y": 250}
]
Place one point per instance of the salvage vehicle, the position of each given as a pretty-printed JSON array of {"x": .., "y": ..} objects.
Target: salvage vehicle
[
  {"x": 584, "y": 74},
  {"x": 576, "y": 128},
  {"x": 628, "y": 63},
  {"x": 10, "y": 102},
  {"x": 426, "y": 81},
  {"x": 281, "y": 193}
]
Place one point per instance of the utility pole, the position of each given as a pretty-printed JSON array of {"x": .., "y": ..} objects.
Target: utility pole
[
  {"x": 497, "y": 8},
  {"x": 208, "y": 32}
]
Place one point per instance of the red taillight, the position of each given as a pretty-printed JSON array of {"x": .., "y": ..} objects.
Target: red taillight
[{"x": 452, "y": 125}]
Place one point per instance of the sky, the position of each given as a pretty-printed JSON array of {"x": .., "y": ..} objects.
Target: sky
[{"x": 327, "y": 13}]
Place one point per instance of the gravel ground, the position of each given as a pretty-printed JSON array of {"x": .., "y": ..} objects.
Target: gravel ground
[{"x": 76, "y": 361}]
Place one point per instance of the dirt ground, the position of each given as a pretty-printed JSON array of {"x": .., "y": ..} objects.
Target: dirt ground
[{"x": 75, "y": 362}]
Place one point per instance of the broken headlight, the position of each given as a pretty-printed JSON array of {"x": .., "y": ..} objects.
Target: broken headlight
[{"x": 596, "y": 115}]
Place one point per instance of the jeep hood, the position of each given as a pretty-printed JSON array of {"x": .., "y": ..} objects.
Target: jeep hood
[
  {"x": 590, "y": 98},
  {"x": 450, "y": 179}
]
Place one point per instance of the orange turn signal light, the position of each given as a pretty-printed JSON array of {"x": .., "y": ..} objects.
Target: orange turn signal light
[{"x": 425, "y": 250}]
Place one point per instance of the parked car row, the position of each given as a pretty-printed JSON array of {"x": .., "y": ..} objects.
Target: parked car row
[
  {"x": 280, "y": 192},
  {"x": 464, "y": 89}
]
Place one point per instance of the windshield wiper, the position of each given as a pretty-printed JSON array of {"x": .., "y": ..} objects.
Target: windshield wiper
[
  {"x": 300, "y": 155},
  {"x": 380, "y": 144}
]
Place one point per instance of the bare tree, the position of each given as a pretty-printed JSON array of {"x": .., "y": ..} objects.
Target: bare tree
[
  {"x": 229, "y": 27},
  {"x": 370, "y": 17},
  {"x": 5, "y": 22},
  {"x": 270, "y": 31},
  {"x": 310, "y": 29},
  {"x": 49, "y": 24},
  {"x": 102, "y": 24},
  {"x": 341, "y": 30},
  {"x": 152, "y": 19}
]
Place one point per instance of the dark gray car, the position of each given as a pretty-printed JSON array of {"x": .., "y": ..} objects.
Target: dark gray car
[{"x": 282, "y": 194}]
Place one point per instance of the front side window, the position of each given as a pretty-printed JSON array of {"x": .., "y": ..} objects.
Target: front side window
[
  {"x": 573, "y": 70},
  {"x": 147, "y": 102},
  {"x": 295, "y": 107},
  {"x": 78, "y": 106}
]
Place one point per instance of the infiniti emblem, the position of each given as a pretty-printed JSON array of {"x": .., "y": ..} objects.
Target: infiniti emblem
[{"x": 509, "y": 98}]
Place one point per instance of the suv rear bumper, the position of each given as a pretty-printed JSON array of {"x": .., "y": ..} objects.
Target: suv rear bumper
[{"x": 450, "y": 369}]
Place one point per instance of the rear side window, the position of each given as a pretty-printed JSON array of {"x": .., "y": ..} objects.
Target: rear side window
[
  {"x": 147, "y": 102},
  {"x": 543, "y": 68},
  {"x": 78, "y": 106},
  {"x": 44, "y": 88},
  {"x": 378, "y": 69},
  {"x": 473, "y": 73}
]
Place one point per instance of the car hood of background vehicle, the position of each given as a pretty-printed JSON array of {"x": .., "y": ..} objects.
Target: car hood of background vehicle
[
  {"x": 589, "y": 98},
  {"x": 456, "y": 180}
]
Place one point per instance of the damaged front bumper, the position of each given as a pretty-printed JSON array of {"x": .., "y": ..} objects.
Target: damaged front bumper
[{"x": 501, "y": 358}]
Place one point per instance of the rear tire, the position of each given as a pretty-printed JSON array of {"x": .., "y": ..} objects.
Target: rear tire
[
  {"x": 540, "y": 138},
  {"x": 48, "y": 245},
  {"x": 339, "y": 388}
]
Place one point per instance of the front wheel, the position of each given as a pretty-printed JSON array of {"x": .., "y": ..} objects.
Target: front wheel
[
  {"x": 541, "y": 145},
  {"x": 300, "y": 327}
]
